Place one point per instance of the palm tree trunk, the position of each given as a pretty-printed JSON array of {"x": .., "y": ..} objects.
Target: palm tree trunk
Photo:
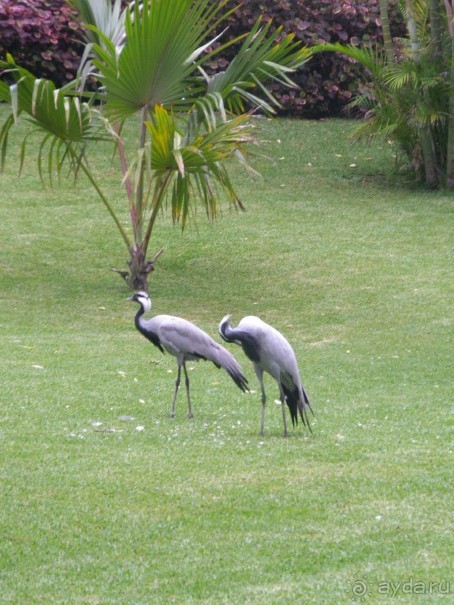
[
  {"x": 436, "y": 29},
  {"x": 387, "y": 39},
  {"x": 139, "y": 197},
  {"x": 412, "y": 30},
  {"x": 450, "y": 150},
  {"x": 139, "y": 269},
  {"x": 425, "y": 133},
  {"x": 428, "y": 151}
]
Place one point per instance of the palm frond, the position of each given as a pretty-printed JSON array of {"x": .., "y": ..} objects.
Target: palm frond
[
  {"x": 49, "y": 108},
  {"x": 398, "y": 77},
  {"x": 262, "y": 57},
  {"x": 107, "y": 18},
  {"x": 418, "y": 11},
  {"x": 372, "y": 59},
  {"x": 153, "y": 66},
  {"x": 208, "y": 108},
  {"x": 193, "y": 165}
]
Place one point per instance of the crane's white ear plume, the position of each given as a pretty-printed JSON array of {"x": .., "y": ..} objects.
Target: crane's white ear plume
[
  {"x": 225, "y": 327},
  {"x": 226, "y": 318},
  {"x": 143, "y": 299}
]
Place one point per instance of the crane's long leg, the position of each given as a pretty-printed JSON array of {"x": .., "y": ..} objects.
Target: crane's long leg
[
  {"x": 190, "y": 415},
  {"x": 283, "y": 410},
  {"x": 259, "y": 373},
  {"x": 177, "y": 384}
]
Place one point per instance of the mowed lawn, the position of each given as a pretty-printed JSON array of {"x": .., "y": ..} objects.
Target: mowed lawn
[{"x": 104, "y": 499}]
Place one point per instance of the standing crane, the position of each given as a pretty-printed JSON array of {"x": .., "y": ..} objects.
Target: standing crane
[
  {"x": 270, "y": 352},
  {"x": 186, "y": 342}
]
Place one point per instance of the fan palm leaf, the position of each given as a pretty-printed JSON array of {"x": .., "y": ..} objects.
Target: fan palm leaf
[
  {"x": 107, "y": 17},
  {"x": 185, "y": 165},
  {"x": 49, "y": 108},
  {"x": 263, "y": 56},
  {"x": 154, "y": 65}
]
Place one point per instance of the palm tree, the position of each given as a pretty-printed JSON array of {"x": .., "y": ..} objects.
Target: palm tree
[
  {"x": 148, "y": 60},
  {"x": 408, "y": 100}
]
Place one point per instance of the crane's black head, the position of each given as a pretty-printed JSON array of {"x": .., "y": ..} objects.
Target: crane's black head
[{"x": 143, "y": 299}]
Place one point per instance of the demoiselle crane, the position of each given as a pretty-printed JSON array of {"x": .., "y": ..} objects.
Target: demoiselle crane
[
  {"x": 270, "y": 352},
  {"x": 186, "y": 342}
]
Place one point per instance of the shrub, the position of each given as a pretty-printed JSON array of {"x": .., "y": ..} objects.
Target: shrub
[
  {"x": 42, "y": 35},
  {"x": 329, "y": 80}
]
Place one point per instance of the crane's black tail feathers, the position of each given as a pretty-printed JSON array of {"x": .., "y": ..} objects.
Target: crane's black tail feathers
[
  {"x": 306, "y": 400},
  {"x": 295, "y": 405},
  {"x": 235, "y": 374},
  {"x": 224, "y": 359},
  {"x": 240, "y": 380}
]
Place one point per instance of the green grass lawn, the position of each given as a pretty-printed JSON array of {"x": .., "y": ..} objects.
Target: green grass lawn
[{"x": 348, "y": 259}]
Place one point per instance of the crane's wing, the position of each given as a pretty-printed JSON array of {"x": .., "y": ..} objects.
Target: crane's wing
[
  {"x": 186, "y": 341},
  {"x": 181, "y": 337}
]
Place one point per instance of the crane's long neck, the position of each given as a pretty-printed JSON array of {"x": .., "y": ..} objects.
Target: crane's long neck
[
  {"x": 242, "y": 337},
  {"x": 146, "y": 328},
  {"x": 227, "y": 332},
  {"x": 139, "y": 320}
]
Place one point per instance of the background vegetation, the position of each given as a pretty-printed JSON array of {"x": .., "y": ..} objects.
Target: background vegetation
[
  {"x": 410, "y": 97},
  {"x": 45, "y": 37},
  {"x": 329, "y": 81},
  {"x": 104, "y": 499},
  {"x": 390, "y": 62},
  {"x": 35, "y": 31},
  {"x": 149, "y": 59}
]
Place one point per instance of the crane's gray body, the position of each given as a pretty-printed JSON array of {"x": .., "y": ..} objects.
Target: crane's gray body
[
  {"x": 186, "y": 342},
  {"x": 270, "y": 352}
]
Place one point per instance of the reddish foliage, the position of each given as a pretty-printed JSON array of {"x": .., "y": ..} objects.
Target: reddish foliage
[
  {"x": 43, "y": 36},
  {"x": 328, "y": 81}
]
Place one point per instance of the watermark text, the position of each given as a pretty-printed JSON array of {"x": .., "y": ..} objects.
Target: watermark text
[{"x": 360, "y": 589}]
